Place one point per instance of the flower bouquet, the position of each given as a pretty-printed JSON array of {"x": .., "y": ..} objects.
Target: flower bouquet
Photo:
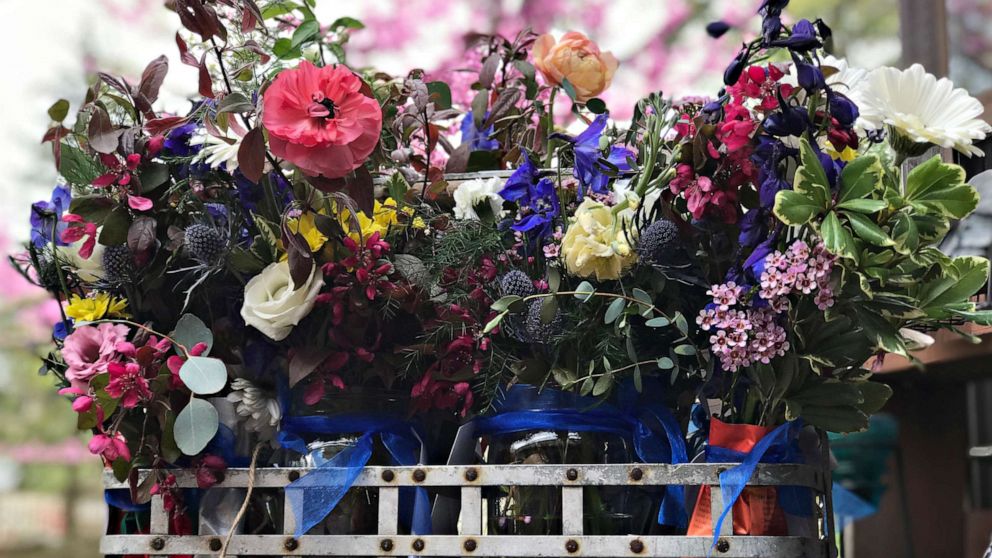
[{"x": 324, "y": 265}]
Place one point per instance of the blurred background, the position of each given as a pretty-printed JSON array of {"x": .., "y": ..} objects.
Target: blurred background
[{"x": 925, "y": 494}]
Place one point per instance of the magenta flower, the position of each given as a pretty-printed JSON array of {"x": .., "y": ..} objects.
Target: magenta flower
[
  {"x": 89, "y": 350},
  {"x": 128, "y": 383},
  {"x": 111, "y": 448}
]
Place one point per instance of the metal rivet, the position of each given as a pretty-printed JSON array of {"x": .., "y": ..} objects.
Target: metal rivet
[
  {"x": 291, "y": 544},
  {"x": 419, "y": 475},
  {"x": 470, "y": 545},
  {"x": 158, "y": 543},
  {"x": 571, "y": 475},
  {"x": 572, "y": 546},
  {"x": 471, "y": 475},
  {"x": 636, "y": 474},
  {"x": 388, "y": 475},
  {"x": 294, "y": 475},
  {"x": 215, "y": 544},
  {"x": 418, "y": 545},
  {"x": 636, "y": 546},
  {"x": 722, "y": 545},
  {"x": 386, "y": 545}
]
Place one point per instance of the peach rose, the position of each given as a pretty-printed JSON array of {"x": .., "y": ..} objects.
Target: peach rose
[{"x": 575, "y": 58}]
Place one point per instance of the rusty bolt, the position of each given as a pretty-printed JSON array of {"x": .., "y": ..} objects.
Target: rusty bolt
[
  {"x": 215, "y": 544},
  {"x": 293, "y": 476},
  {"x": 386, "y": 545},
  {"x": 636, "y": 474},
  {"x": 571, "y": 474},
  {"x": 388, "y": 475},
  {"x": 572, "y": 546},
  {"x": 418, "y": 545},
  {"x": 291, "y": 544},
  {"x": 419, "y": 475},
  {"x": 471, "y": 474},
  {"x": 470, "y": 545},
  {"x": 722, "y": 545},
  {"x": 158, "y": 543},
  {"x": 636, "y": 546}
]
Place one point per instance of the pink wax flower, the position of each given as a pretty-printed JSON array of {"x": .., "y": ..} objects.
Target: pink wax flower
[
  {"x": 320, "y": 120},
  {"x": 128, "y": 383},
  {"x": 90, "y": 349}
]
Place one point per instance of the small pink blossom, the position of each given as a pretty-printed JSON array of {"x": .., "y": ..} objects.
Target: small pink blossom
[
  {"x": 111, "y": 448},
  {"x": 128, "y": 383}
]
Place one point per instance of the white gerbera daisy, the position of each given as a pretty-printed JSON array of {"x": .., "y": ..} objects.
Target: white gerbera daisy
[
  {"x": 846, "y": 80},
  {"x": 218, "y": 151},
  {"x": 921, "y": 110}
]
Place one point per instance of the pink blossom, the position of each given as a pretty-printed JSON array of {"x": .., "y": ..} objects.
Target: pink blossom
[
  {"x": 90, "y": 349},
  {"x": 128, "y": 383},
  {"x": 111, "y": 448}
]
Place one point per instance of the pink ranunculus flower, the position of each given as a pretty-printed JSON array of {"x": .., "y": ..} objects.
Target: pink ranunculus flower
[
  {"x": 90, "y": 349},
  {"x": 320, "y": 120},
  {"x": 575, "y": 58}
]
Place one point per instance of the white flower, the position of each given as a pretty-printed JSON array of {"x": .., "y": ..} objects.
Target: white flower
[
  {"x": 923, "y": 109},
  {"x": 915, "y": 340},
  {"x": 474, "y": 193},
  {"x": 257, "y": 409},
  {"x": 218, "y": 151},
  {"x": 273, "y": 306},
  {"x": 89, "y": 270}
]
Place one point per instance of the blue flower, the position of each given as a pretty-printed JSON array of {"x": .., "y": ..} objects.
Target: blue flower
[
  {"x": 736, "y": 67},
  {"x": 717, "y": 29},
  {"x": 809, "y": 76},
  {"x": 177, "y": 144},
  {"x": 46, "y": 216},
  {"x": 537, "y": 199},
  {"x": 479, "y": 140},
  {"x": 589, "y": 170},
  {"x": 789, "y": 120},
  {"x": 802, "y": 39},
  {"x": 62, "y": 329},
  {"x": 842, "y": 108},
  {"x": 768, "y": 156}
]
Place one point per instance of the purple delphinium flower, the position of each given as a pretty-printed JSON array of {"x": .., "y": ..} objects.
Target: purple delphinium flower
[
  {"x": 589, "y": 170},
  {"x": 537, "y": 199},
  {"x": 479, "y": 140},
  {"x": 47, "y": 215}
]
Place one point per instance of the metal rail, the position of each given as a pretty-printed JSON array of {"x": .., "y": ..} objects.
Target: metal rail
[{"x": 470, "y": 541}]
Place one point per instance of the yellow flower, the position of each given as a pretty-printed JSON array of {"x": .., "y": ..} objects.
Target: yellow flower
[
  {"x": 847, "y": 155},
  {"x": 384, "y": 216},
  {"x": 419, "y": 223},
  {"x": 596, "y": 244},
  {"x": 95, "y": 307},
  {"x": 306, "y": 225}
]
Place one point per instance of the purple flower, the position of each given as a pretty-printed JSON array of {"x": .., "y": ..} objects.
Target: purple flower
[
  {"x": 733, "y": 72},
  {"x": 842, "y": 108},
  {"x": 537, "y": 199},
  {"x": 809, "y": 76},
  {"x": 47, "y": 216},
  {"x": 802, "y": 39},
  {"x": 788, "y": 121},
  {"x": 589, "y": 170},
  {"x": 716, "y": 29},
  {"x": 479, "y": 140}
]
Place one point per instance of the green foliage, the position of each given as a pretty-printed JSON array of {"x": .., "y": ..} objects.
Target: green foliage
[{"x": 195, "y": 426}]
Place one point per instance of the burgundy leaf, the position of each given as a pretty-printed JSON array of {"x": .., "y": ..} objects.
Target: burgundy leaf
[
  {"x": 141, "y": 238},
  {"x": 251, "y": 154},
  {"x": 184, "y": 56},
  {"x": 152, "y": 78},
  {"x": 458, "y": 161},
  {"x": 488, "y": 72},
  {"x": 103, "y": 137},
  {"x": 115, "y": 83},
  {"x": 161, "y": 125},
  {"x": 359, "y": 187},
  {"x": 300, "y": 265},
  {"x": 506, "y": 101},
  {"x": 305, "y": 360},
  {"x": 206, "y": 83}
]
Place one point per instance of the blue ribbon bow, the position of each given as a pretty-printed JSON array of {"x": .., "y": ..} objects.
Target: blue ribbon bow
[
  {"x": 315, "y": 495},
  {"x": 526, "y": 407},
  {"x": 778, "y": 446}
]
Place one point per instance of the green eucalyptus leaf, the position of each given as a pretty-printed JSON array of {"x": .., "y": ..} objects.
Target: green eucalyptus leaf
[
  {"x": 584, "y": 291},
  {"x": 195, "y": 426},
  {"x": 660, "y": 321},
  {"x": 614, "y": 310},
  {"x": 191, "y": 330},
  {"x": 666, "y": 363},
  {"x": 203, "y": 375},
  {"x": 504, "y": 304},
  {"x": 645, "y": 301}
]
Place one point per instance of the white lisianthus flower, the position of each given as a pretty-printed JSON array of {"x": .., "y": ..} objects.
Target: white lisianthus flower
[
  {"x": 921, "y": 110},
  {"x": 272, "y": 304},
  {"x": 596, "y": 244},
  {"x": 218, "y": 151},
  {"x": 88, "y": 270},
  {"x": 478, "y": 192}
]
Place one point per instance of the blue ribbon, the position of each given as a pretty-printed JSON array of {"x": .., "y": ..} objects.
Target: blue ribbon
[
  {"x": 526, "y": 407},
  {"x": 778, "y": 446},
  {"x": 316, "y": 494},
  {"x": 120, "y": 498}
]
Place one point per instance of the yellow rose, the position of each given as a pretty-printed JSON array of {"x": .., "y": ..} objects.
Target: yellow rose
[
  {"x": 596, "y": 244},
  {"x": 575, "y": 58}
]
